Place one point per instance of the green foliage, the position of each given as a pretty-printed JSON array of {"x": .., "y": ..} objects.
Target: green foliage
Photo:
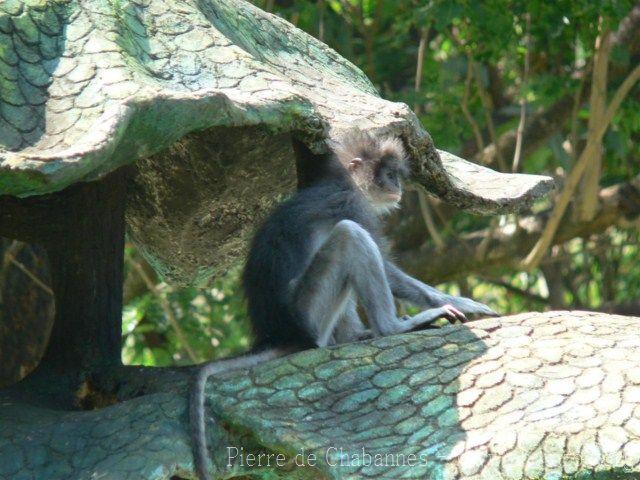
[
  {"x": 490, "y": 40},
  {"x": 213, "y": 323}
]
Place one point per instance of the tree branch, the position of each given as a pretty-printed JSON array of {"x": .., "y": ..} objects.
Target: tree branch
[
  {"x": 546, "y": 239},
  {"x": 518, "y": 291},
  {"x": 487, "y": 103},
  {"x": 586, "y": 200},
  {"x": 422, "y": 47},
  {"x": 166, "y": 308},
  {"x": 10, "y": 257},
  {"x": 619, "y": 205},
  {"x": 32, "y": 276},
  {"x": 517, "y": 154},
  {"x": 546, "y": 122},
  {"x": 428, "y": 220},
  {"x": 465, "y": 107}
]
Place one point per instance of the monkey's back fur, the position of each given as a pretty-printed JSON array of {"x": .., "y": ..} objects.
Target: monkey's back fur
[{"x": 284, "y": 246}]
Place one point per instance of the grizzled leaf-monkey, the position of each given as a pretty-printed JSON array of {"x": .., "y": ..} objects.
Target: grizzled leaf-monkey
[{"x": 318, "y": 256}]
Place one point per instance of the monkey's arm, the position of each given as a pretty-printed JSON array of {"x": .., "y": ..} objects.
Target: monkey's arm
[{"x": 407, "y": 288}]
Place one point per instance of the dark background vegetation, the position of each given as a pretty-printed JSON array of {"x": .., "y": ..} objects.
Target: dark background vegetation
[{"x": 525, "y": 86}]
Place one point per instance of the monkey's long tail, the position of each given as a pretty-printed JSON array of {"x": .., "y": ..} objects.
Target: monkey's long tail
[{"x": 196, "y": 399}]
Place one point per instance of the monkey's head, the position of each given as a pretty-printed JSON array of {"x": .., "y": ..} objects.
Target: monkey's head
[{"x": 377, "y": 165}]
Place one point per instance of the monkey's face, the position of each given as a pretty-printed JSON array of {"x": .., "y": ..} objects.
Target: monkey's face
[
  {"x": 380, "y": 179},
  {"x": 385, "y": 190},
  {"x": 377, "y": 165}
]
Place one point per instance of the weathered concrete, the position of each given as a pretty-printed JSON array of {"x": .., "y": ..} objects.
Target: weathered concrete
[{"x": 88, "y": 86}]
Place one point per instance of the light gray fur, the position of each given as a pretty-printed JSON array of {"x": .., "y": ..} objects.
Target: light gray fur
[
  {"x": 350, "y": 327},
  {"x": 405, "y": 287},
  {"x": 350, "y": 262}
]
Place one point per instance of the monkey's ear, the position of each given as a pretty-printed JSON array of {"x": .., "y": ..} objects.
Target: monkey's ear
[{"x": 355, "y": 163}]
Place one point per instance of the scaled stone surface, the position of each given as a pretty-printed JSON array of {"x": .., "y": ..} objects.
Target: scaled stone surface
[
  {"x": 89, "y": 86},
  {"x": 193, "y": 207},
  {"x": 532, "y": 396},
  {"x": 203, "y": 96}
]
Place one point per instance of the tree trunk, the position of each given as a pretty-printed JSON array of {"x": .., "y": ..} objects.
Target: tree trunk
[{"x": 82, "y": 230}]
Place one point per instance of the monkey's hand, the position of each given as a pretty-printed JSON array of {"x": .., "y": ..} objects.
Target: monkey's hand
[
  {"x": 447, "y": 311},
  {"x": 452, "y": 314},
  {"x": 470, "y": 307},
  {"x": 427, "y": 317}
]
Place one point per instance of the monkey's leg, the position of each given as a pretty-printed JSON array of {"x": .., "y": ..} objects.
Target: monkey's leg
[
  {"x": 350, "y": 258},
  {"x": 350, "y": 327},
  {"x": 321, "y": 298},
  {"x": 422, "y": 295}
]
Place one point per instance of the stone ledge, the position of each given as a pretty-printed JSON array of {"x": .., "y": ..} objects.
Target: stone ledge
[{"x": 535, "y": 395}]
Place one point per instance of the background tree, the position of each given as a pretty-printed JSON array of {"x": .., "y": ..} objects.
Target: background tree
[{"x": 532, "y": 86}]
